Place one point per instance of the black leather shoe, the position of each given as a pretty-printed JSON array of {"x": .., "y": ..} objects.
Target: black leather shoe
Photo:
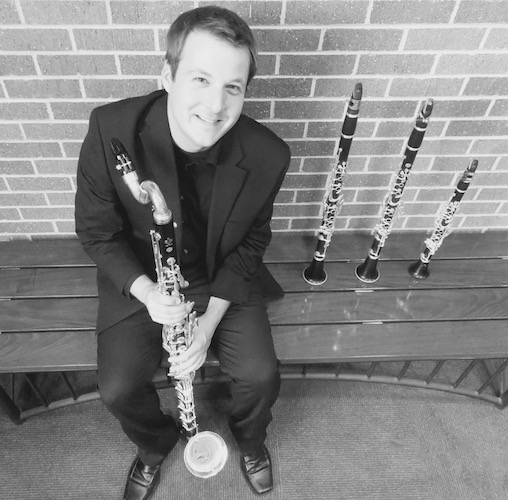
[
  {"x": 257, "y": 469},
  {"x": 142, "y": 481}
]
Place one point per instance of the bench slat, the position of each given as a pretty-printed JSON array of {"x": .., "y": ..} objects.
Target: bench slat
[
  {"x": 285, "y": 247},
  {"x": 299, "y": 247},
  {"x": 70, "y": 350},
  {"x": 80, "y": 282},
  {"x": 296, "y": 308}
]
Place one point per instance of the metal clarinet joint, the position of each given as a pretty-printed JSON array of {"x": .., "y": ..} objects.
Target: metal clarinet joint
[
  {"x": 205, "y": 453},
  {"x": 368, "y": 272},
  {"x": 315, "y": 274},
  {"x": 420, "y": 269}
]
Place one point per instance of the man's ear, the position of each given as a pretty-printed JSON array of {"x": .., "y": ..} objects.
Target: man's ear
[{"x": 166, "y": 76}]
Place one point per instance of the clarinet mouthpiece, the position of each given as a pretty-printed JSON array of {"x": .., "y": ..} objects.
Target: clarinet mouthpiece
[
  {"x": 116, "y": 146},
  {"x": 427, "y": 108}
]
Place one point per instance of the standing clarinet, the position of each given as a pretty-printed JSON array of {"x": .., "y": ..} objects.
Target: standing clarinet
[
  {"x": 368, "y": 272},
  {"x": 420, "y": 269},
  {"x": 315, "y": 273},
  {"x": 205, "y": 453}
]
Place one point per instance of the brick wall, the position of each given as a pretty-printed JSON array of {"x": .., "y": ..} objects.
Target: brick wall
[{"x": 59, "y": 59}]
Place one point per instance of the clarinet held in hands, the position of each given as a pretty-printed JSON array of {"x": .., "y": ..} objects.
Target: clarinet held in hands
[
  {"x": 368, "y": 272},
  {"x": 205, "y": 453},
  {"x": 315, "y": 274},
  {"x": 420, "y": 269}
]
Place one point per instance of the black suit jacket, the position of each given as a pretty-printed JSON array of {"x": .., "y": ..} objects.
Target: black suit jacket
[{"x": 114, "y": 228}]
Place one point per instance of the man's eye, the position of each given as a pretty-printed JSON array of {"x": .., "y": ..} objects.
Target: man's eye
[
  {"x": 200, "y": 79},
  {"x": 235, "y": 89}
]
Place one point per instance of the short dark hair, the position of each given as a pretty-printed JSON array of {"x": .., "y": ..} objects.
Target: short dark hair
[{"x": 220, "y": 22}]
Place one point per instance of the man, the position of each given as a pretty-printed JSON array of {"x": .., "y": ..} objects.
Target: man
[{"x": 219, "y": 172}]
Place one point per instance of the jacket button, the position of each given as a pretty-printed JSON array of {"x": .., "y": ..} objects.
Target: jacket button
[{"x": 175, "y": 225}]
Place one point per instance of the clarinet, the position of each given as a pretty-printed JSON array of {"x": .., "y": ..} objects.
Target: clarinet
[
  {"x": 368, "y": 272},
  {"x": 420, "y": 269},
  {"x": 315, "y": 274},
  {"x": 205, "y": 453}
]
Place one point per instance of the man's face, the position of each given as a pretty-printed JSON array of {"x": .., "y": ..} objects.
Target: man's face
[{"x": 205, "y": 97}]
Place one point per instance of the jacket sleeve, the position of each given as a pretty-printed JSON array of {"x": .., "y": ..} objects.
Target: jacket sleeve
[
  {"x": 234, "y": 276},
  {"x": 99, "y": 214}
]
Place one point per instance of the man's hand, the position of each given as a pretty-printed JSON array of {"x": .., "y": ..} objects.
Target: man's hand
[
  {"x": 193, "y": 358},
  {"x": 163, "y": 309}
]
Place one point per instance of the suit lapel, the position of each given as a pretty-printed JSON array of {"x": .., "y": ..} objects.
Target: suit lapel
[
  {"x": 159, "y": 158},
  {"x": 229, "y": 179}
]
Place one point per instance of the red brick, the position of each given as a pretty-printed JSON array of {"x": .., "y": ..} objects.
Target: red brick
[
  {"x": 63, "y": 64},
  {"x": 9, "y": 214},
  {"x": 71, "y": 149},
  {"x": 34, "y": 39},
  {"x": 287, "y": 130},
  {"x": 308, "y": 109},
  {"x": 114, "y": 39},
  {"x": 22, "y": 199},
  {"x": 500, "y": 108},
  {"x": 17, "y": 65},
  {"x": 26, "y": 228},
  {"x": 362, "y": 39},
  {"x": 459, "y": 108},
  {"x": 266, "y": 64},
  {"x": 141, "y": 65},
  {"x": 39, "y": 184},
  {"x": 423, "y": 11},
  {"x": 57, "y": 12},
  {"x": 55, "y": 131},
  {"x": 486, "y": 221},
  {"x": 325, "y": 12},
  {"x": 466, "y": 64},
  {"x": 117, "y": 88},
  {"x": 317, "y": 64},
  {"x": 337, "y": 87},
  {"x": 304, "y": 181},
  {"x": 23, "y": 111},
  {"x": 66, "y": 227},
  {"x": 485, "y": 178},
  {"x": 425, "y": 86},
  {"x": 279, "y": 87},
  {"x": 359, "y": 209},
  {"x": 254, "y": 13},
  {"x": 493, "y": 193},
  {"x": 468, "y": 207},
  {"x": 287, "y": 40},
  {"x": 8, "y": 13},
  {"x": 63, "y": 198},
  {"x": 378, "y": 146},
  {"x": 442, "y": 146},
  {"x": 10, "y": 132},
  {"x": 395, "y": 64},
  {"x": 361, "y": 223},
  {"x": 478, "y": 128},
  {"x": 136, "y": 12},
  {"x": 297, "y": 210},
  {"x": 444, "y": 39},
  {"x": 16, "y": 167},
  {"x": 403, "y": 129},
  {"x": 279, "y": 225},
  {"x": 43, "y": 88},
  {"x": 368, "y": 179},
  {"x": 259, "y": 110},
  {"x": 73, "y": 110},
  {"x": 56, "y": 166},
  {"x": 47, "y": 213},
  {"x": 29, "y": 149},
  {"x": 430, "y": 179},
  {"x": 489, "y": 146},
  {"x": 478, "y": 11},
  {"x": 285, "y": 196},
  {"x": 386, "y": 109},
  {"x": 454, "y": 164},
  {"x": 496, "y": 39},
  {"x": 311, "y": 148},
  {"x": 485, "y": 86}
]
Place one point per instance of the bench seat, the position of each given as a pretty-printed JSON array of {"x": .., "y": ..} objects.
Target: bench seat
[{"x": 48, "y": 304}]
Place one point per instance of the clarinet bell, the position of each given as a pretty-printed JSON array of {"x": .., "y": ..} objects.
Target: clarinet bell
[
  {"x": 315, "y": 273},
  {"x": 368, "y": 272},
  {"x": 419, "y": 270},
  {"x": 205, "y": 454}
]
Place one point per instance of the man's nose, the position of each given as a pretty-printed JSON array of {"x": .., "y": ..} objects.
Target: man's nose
[{"x": 216, "y": 100}]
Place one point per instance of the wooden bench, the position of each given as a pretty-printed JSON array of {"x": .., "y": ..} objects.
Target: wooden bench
[{"x": 398, "y": 330}]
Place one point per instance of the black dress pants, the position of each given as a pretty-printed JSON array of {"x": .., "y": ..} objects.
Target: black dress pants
[{"x": 130, "y": 352}]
